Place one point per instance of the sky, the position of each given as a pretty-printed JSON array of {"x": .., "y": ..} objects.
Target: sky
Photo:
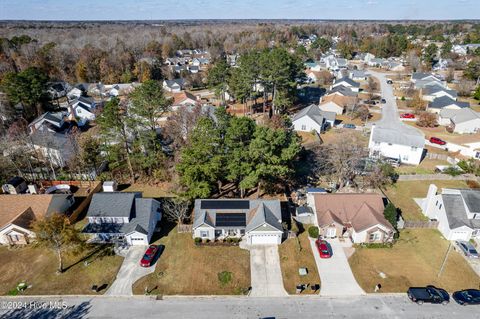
[{"x": 238, "y": 9}]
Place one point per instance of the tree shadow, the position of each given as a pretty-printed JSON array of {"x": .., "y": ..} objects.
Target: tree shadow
[
  {"x": 100, "y": 250},
  {"x": 166, "y": 227},
  {"x": 50, "y": 309}
]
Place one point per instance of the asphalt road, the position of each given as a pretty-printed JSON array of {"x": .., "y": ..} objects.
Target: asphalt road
[{"x": 371, "y": 306}]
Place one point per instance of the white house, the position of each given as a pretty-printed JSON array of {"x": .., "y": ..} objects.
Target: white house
[
  {"x": 358, "y": 75},
  {"x": 446, "y": 103},
  {"x": 120, "y": 217},
  {"x": 175, "y": 85},
  {"x": 259, "y": 222},
  {"x": 456, "y": 210},
  {"x": 464, "y": 49},
  {"x": 347, "y": 82},
  {"x": 53, "y": 121},
  {"x": 400, "y": 142},
  {"x": 431, "y": 92},
  {"x": 358, "y": 216},
  {"x": 463, "y": 121},
  {"x": 82, "y": 110},
  {"x": 312, "y": 118},
  {"x": 337, "y": 103}
]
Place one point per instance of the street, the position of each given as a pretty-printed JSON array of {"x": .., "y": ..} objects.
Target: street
[{"x": 370, "y": 306}]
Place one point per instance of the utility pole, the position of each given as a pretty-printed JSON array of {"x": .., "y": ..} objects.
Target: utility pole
[{"x": 445, "y": 259}]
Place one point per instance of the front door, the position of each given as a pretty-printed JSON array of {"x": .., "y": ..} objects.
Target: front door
[{"x": 331, "y": 232}]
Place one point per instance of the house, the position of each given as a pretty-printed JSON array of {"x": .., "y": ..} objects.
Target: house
[
  {"x": 17, "y": 212},
  {"x": 368, "y": 57},
  {"x": 175, "y": 85},
  {"x": 55, "y": 147},
  {"x": 347, "y": 82},
  {"x": 395, "y": 66},
  {"x": 313, "y": 66},
  {"x": 342, "y": 91},
  {"x": 358, "y": 75},
  {"x": 258, "y": 221},
  {"x": 200, "y": 62},
  {"x": 57, "y": 90},
  {"x": 400, "y": 142},
  {"x": 335, "y": 64},
  {"x": 14, "y": 186},
  {"x": 422, "y": 80},
  {"x": 184, "y": 98},
  {"x": 431, "y": 92},
  {"x": 351, "y": 215},
  {"x": 121, "y": 217},
  {"x": 82, "y": 110},
  {"x": 376, "y": 62},
  {"x": 312, "y": 118},
  {"x": 313, "y": 76},
  {"x": 462, "y": 121},
  {"x": 445, "y": 103},
  {"x": 442, "y": 64},
  {"x": 74, "y": 93},
  {"x": 456, "y": 210},
  {"x": 464, "y": 49},
  {"x": 53, "y": 121},
  {"x": 337, "y": 103}
]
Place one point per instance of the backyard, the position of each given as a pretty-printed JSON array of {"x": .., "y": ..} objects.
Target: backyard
[
  {"x": 187, "y": 269},
  {"x": 415, "y": 260},
  {"x": 296, "y": 253},
  {"x": 37, "y": 267},
  {"x": 153, "y": 191},
  {"x": 427, "y": 166}
]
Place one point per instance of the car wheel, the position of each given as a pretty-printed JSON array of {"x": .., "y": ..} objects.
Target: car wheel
[
  {"x": 420, "y": 302},
  {"x": 465, "y": 304},
  {"x": 444, "y": 302}
]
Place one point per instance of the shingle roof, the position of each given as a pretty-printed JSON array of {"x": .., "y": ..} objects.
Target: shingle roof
[
  {"x": 399, "y": 134},
  {"x": 347, "y": 80},
  {"x": 432, "y": 89},
  {"x": 314, "y": 112},
  {"x": 263, "y": 215},
  {"x": 441, "y": 102},
  {"x": 456, "y": 213},
  {"x": 346, "y": 91},
  {"x": 464, "y": 115},
  {"x": 472, "y": 199},
  {"x": 112, "y": 204}
]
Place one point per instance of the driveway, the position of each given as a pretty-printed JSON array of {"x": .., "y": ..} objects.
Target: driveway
[
  {"x": 129, "y": 272},
  {"x": 266, "y": 275},
  {"x": 335, "y": 273}
]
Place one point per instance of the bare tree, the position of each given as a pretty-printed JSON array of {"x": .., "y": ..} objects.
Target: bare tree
[
  {"x": 426, "y": 119},
  {"x": 177, "y": 210}
]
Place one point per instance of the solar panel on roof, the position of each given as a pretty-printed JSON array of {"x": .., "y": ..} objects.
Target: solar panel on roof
[
  {"x": 225, "y": 204},
  {"x": 230, "y": 220}
]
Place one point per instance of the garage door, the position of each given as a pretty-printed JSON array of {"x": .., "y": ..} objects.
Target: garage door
[
  {"x": 264, "y": 239},
  {"x": 459, "y": 235}
]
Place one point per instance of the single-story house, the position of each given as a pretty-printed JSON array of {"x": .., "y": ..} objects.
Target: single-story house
[
  {"x": 313, "y": 76},
  {"x": 446, "y": 103},
  {"x": 122, "y": 217},
  {"x": 17, "y": 212},
  {"x": 395, "y": 66},
  {"x": 355, "y": 216},
  {"x": 82, "y": 110},
  {"x": 55, "y": 147},
  {"x": 337, "y": 103},
  {"x": 399, "y": 142},
  {"x": 431, "y": 92},
  {"x": 258, "y": 221},
  {"x": 462, "y": 121},
  {"x": 184, "y": 98},
  {"x": 312, "y": 118},
  {"x": 341, "y": 90},
  {"x": 358, "y": 75},
  {"x": 456, "y": 210},
  {"x": 347, "y": 82},
  {"x": 53, "y": 121},
  {"x": 175, "y": 85}
]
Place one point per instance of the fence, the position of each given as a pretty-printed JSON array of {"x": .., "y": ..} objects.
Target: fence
[
  {"x": 420, "y": 224},
  {"x": 184, "y": 228},
  {"x": 433, "y": 177},
  {"x": 96, "y": 187}
]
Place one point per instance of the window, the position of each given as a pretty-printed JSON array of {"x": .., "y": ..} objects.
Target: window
[
  {"x": 436, "y": 204},
  {"x": 374, "y": 236},
  {"x": 304, "y": 127},
  {"x": 477, "y": 155},
  {"x": 405, "y": 157},
  {"x": 204, "y": 233},
  {"x": 440, "y": 207}
]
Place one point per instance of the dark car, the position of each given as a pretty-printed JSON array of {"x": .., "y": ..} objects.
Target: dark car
[
  {"x": 350, "y": 126},
  {"x": 428, "y": 294},
  {"x": 467, "y": 249},
  {"x": 467, "y": 297},
  {"x": 383, "y": 101},
  {"x": 389, "y": 81},
  {"x": 150, "y": 254},
  {"x": 436, "y": 140}
]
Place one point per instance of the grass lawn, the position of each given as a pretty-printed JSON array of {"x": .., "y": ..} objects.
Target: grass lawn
[
  {"x": 415, "y": 260},
  {"x": 163, "y": 190},
  {"x": 296, "y": 253},
  {"x": 360, "y": 122},
  {"x": 307, "y": 137},
  {"x": 427, "y": 166},
  {"x": 37, "y": 267},
  {"x": 402, "y": 194},
  {"x": 335, "y": 135},
  {"x": 186, "y": 269}
]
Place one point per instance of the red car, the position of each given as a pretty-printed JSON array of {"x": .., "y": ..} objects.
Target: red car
[
  {"x": 407, "y": 116},
  {"x": 436, "y": 140},
  {"x": 323, "y": 248},
  {"x": 150, "y": 254}
]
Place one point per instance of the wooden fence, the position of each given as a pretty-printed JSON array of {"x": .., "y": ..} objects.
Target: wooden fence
[
  {"x": 184, "y": 228},
  {"x": 96, "y": 187},
  {"x": 420, "y": 224}
]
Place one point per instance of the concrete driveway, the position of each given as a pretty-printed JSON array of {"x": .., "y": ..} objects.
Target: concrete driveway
[
  {"x": 266, "y": 275},
  {"x": 335, "y": 273},
  {"x": 129, "y": 272}
]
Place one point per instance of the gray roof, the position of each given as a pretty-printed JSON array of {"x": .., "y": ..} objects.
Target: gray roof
[
  {"x": 456, "y": 213},
  {"x": 420, "y": 84},
  {"x": 59, "y": 204},
  {"x": 112, "y": 204},
  {"x": 345, "y": 91},
  {"x": 53, "y": 140},
  {"x": 441, "y": 102},
  {"x": 317, "y": 115},
  {"x": 170, "y": 83},
  {"x": 399, "y": 134},
  {"x": 472, "y": 199},
  {"x": 259, "y": 212},
  {"x": 347, "y": 80},
  {"x": 358, "y": 73},
  {"x": 432, "y": 89},
  {"x": 465, "y": 115},
  {"x": 422, "y": 75}
]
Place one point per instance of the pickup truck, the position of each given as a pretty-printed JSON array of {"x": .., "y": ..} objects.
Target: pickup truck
[{"x": 429, "y": 294}]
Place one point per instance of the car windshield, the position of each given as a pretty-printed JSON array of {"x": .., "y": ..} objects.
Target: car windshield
[
  {"x": 325, "y": 251},
  {"x": 435, "y": 292},
  {"x": 147, "y": 257},
  {"x": 473, "y": 251},
  {"x": 472, "y": 294}
]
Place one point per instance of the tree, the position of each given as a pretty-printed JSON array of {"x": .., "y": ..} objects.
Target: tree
[
  {"x": 390, "y": 213},
  {"x": 176, "y": 209},
  {"x": 57, "y": 234},
  {"x": 322, "y": 44},
  {"x": 476, "y": 94},
  {"x": 472, "y": 71},
  {"x": 27, "y": 87},
  {"x": 426, "y": 119},
  {"x": 446, "y": 49},
  {"x": 430, "y": 53},
  {"x": 217, "y": 78}
]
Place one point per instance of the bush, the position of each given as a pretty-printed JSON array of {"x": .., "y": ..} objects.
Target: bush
[
  {"x": 225, "y": 277},
  {"x": 377, "y": 245},
  {"x": 313, "y": 231},
  {"x": 197, "y": 240},
  {"x": 391, "y": 214},
  {"x": 452, "y": 171}
]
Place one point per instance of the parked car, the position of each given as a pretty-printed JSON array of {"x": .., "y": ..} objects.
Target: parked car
[
  {"x": 350, "y": 126},
  {"x": 323, "y": 248},
  {"x": 436, "y": 140},
  {"x": 428, "y": 294},
  {"x": 383, "y": 101},
  {"x": 389, "y": 81},
  {"x": 371, "y": 102},
  {"x": 467, "y": 249},
  {"x": 150, "y": 254},
  {"x": 467, "y": 297},
  {"x": 407, "y": 116}
]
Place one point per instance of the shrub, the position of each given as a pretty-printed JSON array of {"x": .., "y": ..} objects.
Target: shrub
[
  {"x": 391, "y": 214},
  {"x": 197, "y": 240},
  {"x": 313, "y": 231},
  {"x": 225, "y": 277},
  {"x": 377, "y": 245},
  {"x": 452, "y": 171}
]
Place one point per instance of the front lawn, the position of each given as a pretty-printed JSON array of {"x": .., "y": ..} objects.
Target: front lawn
[
  {"x": 402, "y": 194},
  {"x": 415, "y": 260},
  {"x": 186, "y": 269},
  {"x": 297, "y": 253},
  {"x": 427, "y": 166},
  {"x": 37, "y": 267}
]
